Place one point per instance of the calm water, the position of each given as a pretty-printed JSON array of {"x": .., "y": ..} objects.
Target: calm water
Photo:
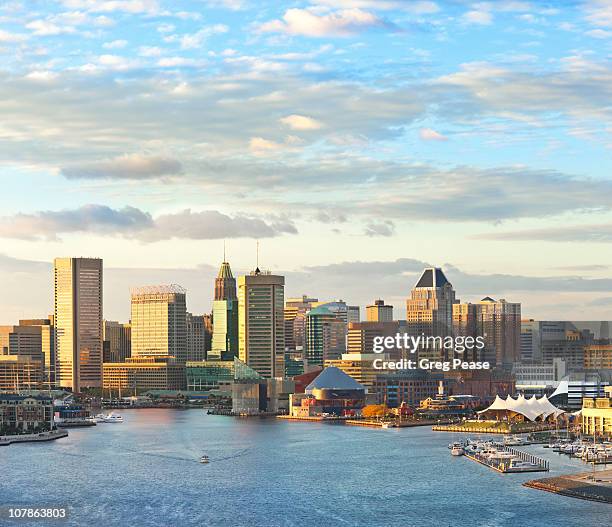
[{"x": 267, "y": 472}]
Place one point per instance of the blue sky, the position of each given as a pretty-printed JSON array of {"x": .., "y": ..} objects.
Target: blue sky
[{"x": 470, "y": 135}]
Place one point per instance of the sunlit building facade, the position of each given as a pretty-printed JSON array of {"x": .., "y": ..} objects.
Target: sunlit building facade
[
  {"x": 159, "y": 322},
  {"x": 261, "y": 328},
  {"x": 78, "y": 322}
]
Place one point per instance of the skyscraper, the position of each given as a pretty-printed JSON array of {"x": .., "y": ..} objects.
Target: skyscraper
[
  {"x": 379, "y": 312},
  {"x": 225, "y": 316},
  {"x": 78, "y": 322},
  {"x": 429, "y": 310},
  {"x": 159, "y": 322},
  {"x": 261, "y": 329},
  {"x": 321, "y": 325}
]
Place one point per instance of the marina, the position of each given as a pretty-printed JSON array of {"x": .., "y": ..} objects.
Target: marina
[{"x": 500, "y": 457}]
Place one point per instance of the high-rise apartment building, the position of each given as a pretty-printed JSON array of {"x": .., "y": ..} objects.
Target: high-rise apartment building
[
  {"x": 159, "y": 322},
  {"x": 117, "y": 341},
  {"x": 379, "y": 312},
  {"x": 498, "y": 322},
  {"x": 225, "y": 316},
  {"x": 261, "y": 328},
  {"x": 464, "y": 325},
  {"x": 78, "y": 322}
]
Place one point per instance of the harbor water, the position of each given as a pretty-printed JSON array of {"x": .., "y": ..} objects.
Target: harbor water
[{"x": 270, "y": 472}]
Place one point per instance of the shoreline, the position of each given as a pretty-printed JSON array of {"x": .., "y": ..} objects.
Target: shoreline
[{"x": 33, "y": 438}]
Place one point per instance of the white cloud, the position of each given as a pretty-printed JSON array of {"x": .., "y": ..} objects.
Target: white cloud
[
  {"x": 599, "y": 12},
  {"x": 420, "y": 7},
  {"x": 301, "y": 122},
  {"x": 599, "y": 33},
  {"x": 45, "y": 28},
  {"x": 342, "y": 23},
  {"x": 131, "y": 222},
  {"x": 115, "y": 44},
  {"x": 427, "y": 134},
  {"x": 132, "y": 166},
  {"x": 478, "y": 17},
  {"x": 109, "y": 6},
  {"x": 7, "y": 37},
  {"x": 177, "y": 62},
  {"x": 195, "y": 40},
  {"x": 149, "y": 51}
]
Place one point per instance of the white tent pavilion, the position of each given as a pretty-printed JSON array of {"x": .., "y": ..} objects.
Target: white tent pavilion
[{"x": 530, "y": 409}]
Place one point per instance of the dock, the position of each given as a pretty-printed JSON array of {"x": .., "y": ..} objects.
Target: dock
[
  {"x": 33, "y": 438},
  {"x": 586, "y": 486},
  {"x": 503, "y": 465}
]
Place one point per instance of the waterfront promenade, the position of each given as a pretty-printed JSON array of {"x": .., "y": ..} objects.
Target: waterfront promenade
[
  {"x": 33, "y": 438},
  {"x": 587, "y": 485}
]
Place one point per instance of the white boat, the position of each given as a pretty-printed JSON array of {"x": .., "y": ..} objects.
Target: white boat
[
  {"x": 457, "y": 451},
  {"x": 520, "y": 464},
  {"x": 112, "y": 418},
  {"x": 204, "y": 459}
]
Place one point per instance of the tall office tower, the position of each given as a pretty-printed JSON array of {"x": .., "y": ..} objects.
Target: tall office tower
[
  {"x": 159, "y": 322},
  {"x": 499, "y": 323},
  {"x": 379, "y": 312},
  {"x": 47, "y": 338},
  {"x": 117, "y": 341},
  {"x": 429, "y": 310},
  {"x": 464, "y": 325},
  {"x": 198, "y": 337},
  {"x": 323, "y": 336},
  {"x": 352, "y": 314},
  {"x": 530, "y": 340},
  {"x": 225, "y": 316},
  {"x": 295, "y": 322},
  {"x": 78, "y": 322},
  {"x": 261, "y": 329}
]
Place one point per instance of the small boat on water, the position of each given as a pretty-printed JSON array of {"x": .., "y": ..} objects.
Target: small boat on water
[
  {"x": 457, "y": 451},
  {"x": 112, "y": 418},
  {"x": 204, "y": 459}
]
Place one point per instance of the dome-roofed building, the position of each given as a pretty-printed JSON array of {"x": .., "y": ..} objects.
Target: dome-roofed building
[{"x": 331, "y": 392}]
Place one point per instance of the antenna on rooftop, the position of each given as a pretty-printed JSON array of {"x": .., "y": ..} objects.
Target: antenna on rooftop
[
  {"x": 224, "y": 251},
  {"x": 257, "y": 271}
]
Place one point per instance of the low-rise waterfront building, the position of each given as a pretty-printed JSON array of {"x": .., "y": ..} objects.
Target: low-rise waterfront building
[
  {"x": 597, "y": 415},
  {"x": 144, "y": 373},
  {"x": 360, "y": 366},
  {"x": 331, "y": 392},
  {"x": 406, "y": 386},
  {"x": 25, "y": 413},
  {"x": 210, "y": 375}
]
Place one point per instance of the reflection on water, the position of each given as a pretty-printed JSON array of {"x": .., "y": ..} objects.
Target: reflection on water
[{"x": 267, "y": 472}]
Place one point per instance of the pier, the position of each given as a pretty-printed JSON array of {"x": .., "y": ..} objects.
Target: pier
[
  {"x": 505, "y": 464},
  {"x": 33, "y": 438}
]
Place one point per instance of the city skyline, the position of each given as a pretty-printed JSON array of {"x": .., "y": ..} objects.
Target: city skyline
[{"x": 350, "y": 137}]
